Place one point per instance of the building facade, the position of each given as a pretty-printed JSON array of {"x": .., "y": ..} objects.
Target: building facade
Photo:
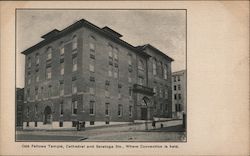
[
  {"x": 179, "y": 84},
  {"x": 19, "y": 106},
  {"x": 89, "y": 74}
]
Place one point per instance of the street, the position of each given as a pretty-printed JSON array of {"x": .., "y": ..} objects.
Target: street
[{"x": 174, "y": 133}]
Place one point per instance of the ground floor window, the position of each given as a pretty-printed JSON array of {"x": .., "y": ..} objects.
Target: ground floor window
[
  {"x": 27, "y": 124},
  {"x": 61, "y": 124},
  {"x": 74, "y": 123},
  {"x": 92, "y": 122},
  {"x": 35, "y": 123},
  {"x": 178, "y": 107},
  {"x": 107, "y": 122}
]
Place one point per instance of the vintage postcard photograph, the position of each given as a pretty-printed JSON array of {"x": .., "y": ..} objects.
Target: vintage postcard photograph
[{"x": 89, "y": 75}]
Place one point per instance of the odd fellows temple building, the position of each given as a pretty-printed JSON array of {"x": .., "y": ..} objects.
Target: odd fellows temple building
[{"x": 88, "y": 74}]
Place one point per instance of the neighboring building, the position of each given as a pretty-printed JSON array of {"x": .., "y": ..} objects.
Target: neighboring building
[
  {"x": 19, "y": 106},
  {"x": 86, "y": 73},
  {"x": 179, "y": 84}
]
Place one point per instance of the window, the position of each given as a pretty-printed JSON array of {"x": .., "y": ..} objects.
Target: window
[
  {"x": 28, "y": 111},
  {"x": 36, "y": 93},
  {"x": 174, "y": 87},
  {"x": 116, "y": 73},
  {"x": 91, "y": 108},
  {"x": 92, "y": 122},
  {"x": 130, "y": 59},
  {"x": 115, "y": 53},
  {"x": 178, "y": 108},
  {"x": 107, "y": 93},
  {"x": 110, "y": 49},
  {"x": 50, "y": 91},
  {"x": 154, "y": 66},
  {"x": 166, "y": 93},
  {"x": 92, "y": 46},
  {"x": 62, "y": 68},
  {"x": 74, "y": 87},
  {"x": 29, "y": 80},
  {"x": 61, "y": 108},
  {"x": 60, "y": 123},
  {"x": 91, "y": 91},
  {"x": 28, "y": 94},
  {"x": 106, "y": 122},
  {"x": 61, "y": 49},
  {"x": 37, "y": 77},
  {"x": 179, "y": 79},
  {"x": 29, "y": 62},
  {"x": 175, "y": 96},
  {"x": 74, "y": 43},
  {"x": 129, "y": 79},
  {"x": 130, "y": 93},
  {"x": 35, "y": 123},
  {"x": 119, "y": 110},
  {"x": 161, "y": 69},
  {"x": 106, "y": 108},
  {"x": 35, "y": 110},
  {"x": 110, "y": 71},
  {"x": 161, "y": 107},
  {"x": 141, "y": 80},
  {"x": 91, "y": 68},
  {"x": 37, "y": 59},
  {"x": 130, "y": 111},
  {"x": 42, "y": 92},
  {"x": 74, "y": 107},
  {"x": 155, "y": 90},
  {"x": 140, "y": 65},
  {"x": 119, "y": 93},
  {"x": 74, "y": 61},
  {"x": 179, "y": 87},
  {"x": 74, "y": 123},
  {"x": 48, "y": 72},
  {"x": 61, "y": 88},
  {"x": 92, "y": 79},
  {"x": 160, "y": 92},
  {"x": 174, "y": 78},
  {"x": 165, "y": 72},
  {"x": 179, "y": 96},
  {"x": 49, "y": 53}
]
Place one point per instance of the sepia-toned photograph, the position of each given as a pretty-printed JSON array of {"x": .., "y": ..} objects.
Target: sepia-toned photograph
[{"x": 101, "y": 75}]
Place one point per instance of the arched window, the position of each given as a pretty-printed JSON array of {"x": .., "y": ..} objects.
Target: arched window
[
  {"x": 140, "y": 65},
  {"x": 74, "y": 42}
]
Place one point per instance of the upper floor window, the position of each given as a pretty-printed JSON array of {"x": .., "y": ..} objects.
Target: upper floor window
[
  {"x": 74, "y": 87},
  {"x": 48, "y": 72},
  {"x": 154, "y": 66},
  {"x": 61, "y": 88},
  {"x": 36, "y": 93},
  {"x": 29, "y": 62},
  {"x": 92, "y": 66},
  {"x": 115, "y": 50},
  {"x": 140, "y": 80},
  {"x": 92, "y": 46},
  {"x": 49, "y": 53},
  {"x": 74, "y": 43},
  {"x": 179, "y": 78},
  {"x": 166, "y": 93},
  {"x": 37, "y": 59},
  {"x": 165, "y": 71},
  {"x": 74, "y": 62},
  {"x": 91, "y": 91},
  {"x": 155, "y": 90},
  {"x": 62, "y": 68},
  {"x": 129, "y": 59},
  {"x": 140, "y": 65},
  {"x": 61, "y": 49},
  {"x": 179, "y": 87},
  {"x": 49, "y": 91},
  {"x": 110, "y": 49}
]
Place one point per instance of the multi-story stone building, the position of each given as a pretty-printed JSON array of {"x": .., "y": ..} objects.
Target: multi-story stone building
[
  {"x": 19, "y": 106},
  {"x": 179, "y": 83},
  {"x": 89, "y": 74}
]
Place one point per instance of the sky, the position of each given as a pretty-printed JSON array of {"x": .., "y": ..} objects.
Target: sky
[{"x": 164, "y": 29}]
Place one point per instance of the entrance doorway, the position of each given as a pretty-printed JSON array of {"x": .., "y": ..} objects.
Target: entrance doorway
[
  {"x": 144, "y": 113},
  {"x": 47, "y": 115}
]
